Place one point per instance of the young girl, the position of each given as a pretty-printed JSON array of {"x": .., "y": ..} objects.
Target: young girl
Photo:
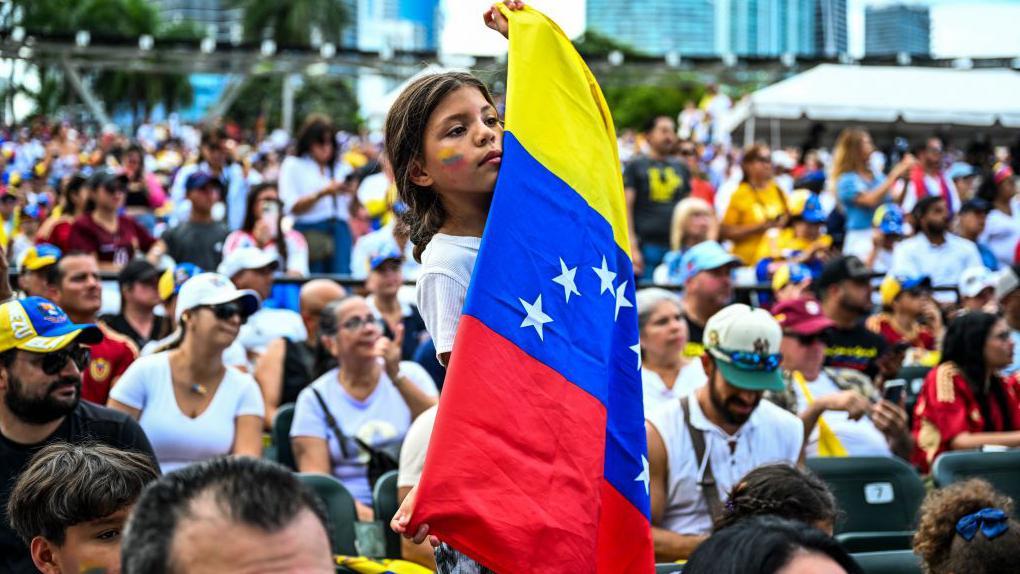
[{"x": 444, "y": 139}]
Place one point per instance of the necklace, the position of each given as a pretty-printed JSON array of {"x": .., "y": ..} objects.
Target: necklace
[{"x": 198, "y": 389}]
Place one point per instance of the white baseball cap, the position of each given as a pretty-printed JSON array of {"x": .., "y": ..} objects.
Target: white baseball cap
[
  {"x": 1006, "y": 280},
  {"x": 974, "y": 280},
  {"x": 246, "y": 258},
  {"x": 745, "y": 343},
  {"x": 214, "y": 289}
]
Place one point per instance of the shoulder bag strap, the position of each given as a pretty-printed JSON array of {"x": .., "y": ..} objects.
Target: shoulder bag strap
[
  {"x": 709, "y": 488},
  {"x": 333, "y": 426}
]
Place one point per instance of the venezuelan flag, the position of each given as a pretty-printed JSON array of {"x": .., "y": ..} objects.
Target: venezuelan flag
[{"x": 537, "y": 462}]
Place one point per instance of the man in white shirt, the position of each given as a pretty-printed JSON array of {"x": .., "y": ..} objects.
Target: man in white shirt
[
  {"x": 835, "y": 404},
  {"x": 933, "y": 251},
  {"x": 1007, "y": 292},
  {"x": 700, "y": 446}
]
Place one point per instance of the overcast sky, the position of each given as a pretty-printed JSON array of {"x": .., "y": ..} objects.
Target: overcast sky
[{"x": 973, "y": 28}]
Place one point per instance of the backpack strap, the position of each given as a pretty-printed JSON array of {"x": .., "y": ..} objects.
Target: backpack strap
[
  {"x": 331, "y": 422},
  {"x": 707, "y": 484}
]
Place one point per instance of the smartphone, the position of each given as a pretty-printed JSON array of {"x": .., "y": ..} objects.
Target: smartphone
[
  {"x": 271, "y": 216},
  {"x": 894, "y": 391}
]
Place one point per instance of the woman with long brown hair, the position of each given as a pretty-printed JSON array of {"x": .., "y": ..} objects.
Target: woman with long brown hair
[
  {"x": 756, "y": 206},
  {"x": 859, "y": 189}
]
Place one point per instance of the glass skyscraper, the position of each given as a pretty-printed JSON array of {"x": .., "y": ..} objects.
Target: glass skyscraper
[
  {"x": 893, "y": 29},
  {"x": 656, "y": 27}
]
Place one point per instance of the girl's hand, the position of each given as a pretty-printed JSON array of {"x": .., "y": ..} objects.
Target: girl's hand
[
  {"x": 263, "y": 234},
  {"x": 497, "y": 21},
  {"x": 403, "y": 516}
]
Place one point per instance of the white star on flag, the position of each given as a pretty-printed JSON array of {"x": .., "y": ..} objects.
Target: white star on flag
[
  {"x": 605, "y": 276},
  {"x": 645, "y": 476},
  {"x": 636, "y": 347},
  {"x": 566, "y": 278},
  {"x": 621, "y": 299},
  {"x": 536, "y": 318}
]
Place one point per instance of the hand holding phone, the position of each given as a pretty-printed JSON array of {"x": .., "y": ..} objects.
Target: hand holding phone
[{"x": 894, "y": 391}]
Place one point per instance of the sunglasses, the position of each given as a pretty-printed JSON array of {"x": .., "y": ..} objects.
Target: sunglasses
[
  {"x": 805, "y": 340},
  {"x": 356, "y": 323},
  {"x": 746, "y": 361},
  {"x": 686, "y": 152},
  {"x": 226, "y": 311},
  {"x": 53, "y": 363}
]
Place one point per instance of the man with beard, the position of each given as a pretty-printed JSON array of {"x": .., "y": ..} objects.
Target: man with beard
[
  {"x": 41, "y": 357},
  {"x": 844, "y": 289},
  {"x": 933, "y": 251},
  {"x": 700, "y": 446}
]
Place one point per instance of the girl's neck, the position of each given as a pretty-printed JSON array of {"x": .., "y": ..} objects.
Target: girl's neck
[
  {"x": 758, "y": 184},
  {"x": 387, "y": 303},
  {"x": 1003, "y": 204},
  {"x": 105, "y": 217},
  {"x": 359, "y": 377},
  {"x": 466, "y": 213},
  {"x": 904, "y": 322},
  {"x": 202, "y": 361}
]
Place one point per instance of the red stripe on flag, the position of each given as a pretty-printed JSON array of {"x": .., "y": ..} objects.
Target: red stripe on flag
[
  {"x": 515, "y": 464},
  {"x": 623, "y": 554}
]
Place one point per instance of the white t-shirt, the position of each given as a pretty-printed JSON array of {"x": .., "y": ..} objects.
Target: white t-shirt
[
  {"x": 381, "y": 241},
  {"x": 917, "y": 256},
  {"x": 860, "y": 437},
  {"x": 1002, "y": 232},
  {"x": 442, "y": 286},
  {"x": 654, "y": 388},
  {"x": 416, "y": 444},
  {"x": 177, "y": 439},
  {"x": 381, "y": 418},
  {"x": 770, "y": 435},
  {"x": 301, "y": 177},
  {"x": 268, "y": 324}
]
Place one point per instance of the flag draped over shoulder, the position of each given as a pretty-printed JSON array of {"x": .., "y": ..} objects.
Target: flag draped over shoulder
[{"x": 537, "y": 462}]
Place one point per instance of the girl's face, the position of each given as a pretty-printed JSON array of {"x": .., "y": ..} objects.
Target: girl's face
[
  {"x": 322, "y": 151},
  {"x": 999, "y": 346},
  {"x": 209, "y": 328},
  {"x": 665, "y": 333},
  {"x": 867, "y": 147},
  {"x": 698, "y": 225},
  {"x": 463, "y": 145},
  {"x": 269, "y": 195}
]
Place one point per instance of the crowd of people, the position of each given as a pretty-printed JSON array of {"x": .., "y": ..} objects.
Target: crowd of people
[{"x": 859, "y": 263}]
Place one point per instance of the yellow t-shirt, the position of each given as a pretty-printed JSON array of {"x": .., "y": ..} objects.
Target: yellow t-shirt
[
  {"x": 779, "y": 244},
  {"x": 751, "y": 207}
]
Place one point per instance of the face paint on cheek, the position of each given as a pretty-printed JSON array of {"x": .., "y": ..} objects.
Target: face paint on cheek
[{"x": 450, "y": 158}]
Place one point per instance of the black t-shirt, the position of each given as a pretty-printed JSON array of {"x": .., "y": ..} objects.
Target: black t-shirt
[
  {"x": 695, "y": 334},
  {"x": 658, "y": 185},
  {"x": 120, "y": 324},
  {"x": 856, "y": 348},
  {"x": 198, "y": 243},
  {"x": 88, "y": 422}
]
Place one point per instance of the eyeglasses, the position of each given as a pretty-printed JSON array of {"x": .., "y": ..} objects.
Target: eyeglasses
[
  {"x": 115, "y": 189},
  {"x": 356, "y": 323},
  {"x": 53, "y": 363},
  {"x": 226, "y": 311},
  {"x": 805, "y": 340},
  {"x": 686, "y": 152}
]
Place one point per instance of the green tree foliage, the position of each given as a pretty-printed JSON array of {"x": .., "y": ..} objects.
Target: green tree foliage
[
  {"x": 329, "y": 95},
  {"x": 632, "y": 105},
  {"x": 592, "y": 43},
  {"x": 289, "y": 22}
]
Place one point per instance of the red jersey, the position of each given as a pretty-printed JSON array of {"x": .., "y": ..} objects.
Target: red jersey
[
  {"x": 921, "y": 337},
  {"x": 947, "y": 407},
  {"x": 120, "y": 247},
  {"x": 108, "y": 359},
  {"x": 59, "y": 236}
]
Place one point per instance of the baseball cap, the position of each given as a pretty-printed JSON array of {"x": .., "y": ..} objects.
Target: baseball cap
[
  {"x": 745, "y": 343},
  {"x": 893, "y": 285},
  {"x": 1001, "y": 172},
  {"x": 888, "y": 219},
  {"x": 200, "y": 179},
  {"x": 38, "y": 256},
  {"x": 705, "y": 256},
  {"x": 960, "y": 169},
  {"x": 789, "y": 273},
  {"x": 807, "y": 206},
  {"x": 976, "y": 204},
  {"x": 37, "y": 324},
  {"x": 974, "y": 280},
  {"x": 801, "y": 317},
  {"x": 1006, "y": 281},
  {"x": 843, "y": 268},
  {"x": 106, "y": 177},
  {"x": 137, "y": 271},
  {"x": 380, "y": 258},
  {"x": 213, "y": 289},
  {"x": 172, "y": 278},
  {"x": 246, "y": 258}
]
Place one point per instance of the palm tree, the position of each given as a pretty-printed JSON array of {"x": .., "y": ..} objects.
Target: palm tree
[{"x": 291, "y": 22}]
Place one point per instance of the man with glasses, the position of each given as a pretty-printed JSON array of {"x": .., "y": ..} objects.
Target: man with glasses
[
  {"x": 199, "y": 240},
  {"x": 928, "y": 179},
  {"x": 42, "y": 355},
  {"x": 701, "y": 187},
  {"x": 700, "y": 446},
  {"x": 839, "y": 416},
  {"x": 217, "y": 162}
]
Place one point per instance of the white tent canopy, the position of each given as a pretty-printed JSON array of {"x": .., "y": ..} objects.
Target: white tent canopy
[{"x": 906, "y": 98}]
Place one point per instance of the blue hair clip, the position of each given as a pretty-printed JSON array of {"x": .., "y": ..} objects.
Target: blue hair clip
[{"x": 992, "y": 521}]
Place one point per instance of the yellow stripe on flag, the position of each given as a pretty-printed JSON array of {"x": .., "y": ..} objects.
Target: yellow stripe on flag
[{"x": 556, "y": 110}]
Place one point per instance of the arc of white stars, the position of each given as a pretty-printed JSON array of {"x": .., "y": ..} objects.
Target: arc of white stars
[
  {"x": 606, "y": 277},
  {"x": 645, "y": 476},
  {"x": 621, "y": 299},
  {"x": 566, "y": 279},
  {"x": 636, "y": 347},
  {"x": 535, "y": 316}
]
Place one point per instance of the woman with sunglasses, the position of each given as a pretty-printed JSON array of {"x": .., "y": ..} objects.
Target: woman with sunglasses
[
  {"x": 372, "y": 398},
  {"x": 191, "y": 406},
  {"x": 756, "y": 206},
  {"x": 113, "y": 237},
  {"x": 262, "y": 228},
  {"x": 964, "y": 403}
]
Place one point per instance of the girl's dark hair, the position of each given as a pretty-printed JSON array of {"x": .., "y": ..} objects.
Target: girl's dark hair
[
  {"x": 316, "y": 129},
  {"x": 405, "y": 137},
  {"x": 964, "y": 346},
  {"x": 782, "y": 490},
  {"x": 943, "y": 551},
  {"x": 250, "y": 217},
  {"x": 764, "y": 545},
  {"x": 988, "y": 190},
  {"x": 71, "y": 185}
]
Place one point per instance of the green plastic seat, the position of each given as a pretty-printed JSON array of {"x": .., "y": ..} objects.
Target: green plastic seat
[
  {"x": 339, "y": 508},
  {"x": 1001, "y": 469},
  {"x": 891, "y": 562},
  {"x": 281, "y": 436},
  {"x": 879, "y": 498},
  {"x": 385, "y": 503},
  {"x": 669, "y": 568}
]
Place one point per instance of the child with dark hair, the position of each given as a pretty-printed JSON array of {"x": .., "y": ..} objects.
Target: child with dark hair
[
  {"x": 966, "y": 527},
  {"x": 71, "y": 503},
  {"x": 782, "y": 490}
]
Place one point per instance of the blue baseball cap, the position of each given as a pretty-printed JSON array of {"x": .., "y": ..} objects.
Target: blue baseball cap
[
  {"x": 960, "y": 169},
  {"x": 381, "y": 258},
  {"x": 200, "y": 179},
  {"x": 171, "y": 280},
  {"x": 705, "y": 256},
  {"x": 38, "y": 325},
  {"x": 38, "y": 256},
  {"x": 889, "y": 219}
]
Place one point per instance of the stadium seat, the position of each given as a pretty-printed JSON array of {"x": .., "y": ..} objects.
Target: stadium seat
[
  {"x": 669, "y": 568},
  {"x": 878, "y": 497},
  {"x": 281, "y": 436},
  {"x": 891, "y": 562},
  {"x": 1001, "y": 469},
  {"x": 339, "y": 507},
  {"x": 385, "y": 504}
]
